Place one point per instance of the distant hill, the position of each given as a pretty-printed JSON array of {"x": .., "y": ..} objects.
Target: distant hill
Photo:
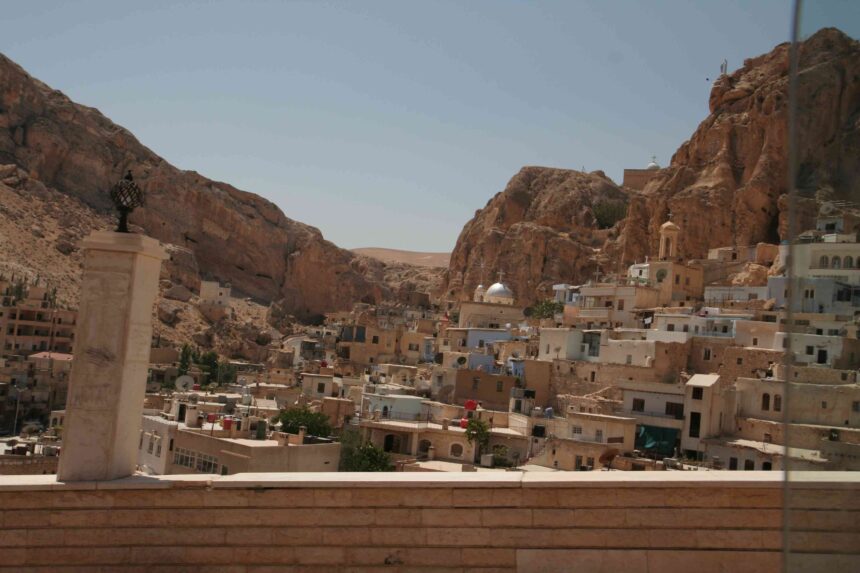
[
  {"x": 408, "y": 257},
  {"x": 50, "y": 144}
]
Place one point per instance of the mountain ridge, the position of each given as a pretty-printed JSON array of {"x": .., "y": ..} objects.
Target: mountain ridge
[{"x": 234, "y": 235}]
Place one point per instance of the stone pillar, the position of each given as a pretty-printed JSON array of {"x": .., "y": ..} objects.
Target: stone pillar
[{"x": 112, "y": 342}]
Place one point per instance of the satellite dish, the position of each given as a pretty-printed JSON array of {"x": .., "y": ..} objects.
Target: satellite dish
[{"x": 184, "y": 383}]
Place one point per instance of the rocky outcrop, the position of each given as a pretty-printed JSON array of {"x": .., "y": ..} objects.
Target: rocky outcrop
[
  {"x": 544, "y": 228},
  {"x": 178, "y": 292},
  {"x": 727, "y": 184},
  {"x": 168, "y": 313},
  {"x": 234, "y": 236}
]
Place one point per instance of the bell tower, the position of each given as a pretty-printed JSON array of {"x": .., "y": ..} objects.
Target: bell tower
[{"x": 669, "y": 233}]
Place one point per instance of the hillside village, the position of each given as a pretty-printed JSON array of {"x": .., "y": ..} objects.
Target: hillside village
[
  {"x": 672, "y": 366},
  {"x": 653, "y": 371}
]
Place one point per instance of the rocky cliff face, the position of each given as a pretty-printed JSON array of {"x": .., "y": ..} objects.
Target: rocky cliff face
[
  {"x": 726, "y": 185},
  {"x": 235, "y": 236},
  {"x": 544, "y": 228}
]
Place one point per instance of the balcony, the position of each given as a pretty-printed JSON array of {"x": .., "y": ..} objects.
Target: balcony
[
  {"x": 659, "y": 419},
  {"x": 714, "y": 333},
  {"x": 600, "y": 313}
]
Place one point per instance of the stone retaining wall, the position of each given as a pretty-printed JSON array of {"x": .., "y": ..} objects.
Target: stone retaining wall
[{"x": 485, "y": 521}]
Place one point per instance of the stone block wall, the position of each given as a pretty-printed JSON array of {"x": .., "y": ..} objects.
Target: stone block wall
[{"x": 490, "y": 522}]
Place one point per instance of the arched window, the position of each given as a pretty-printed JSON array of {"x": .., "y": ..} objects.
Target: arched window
[
  {"x": 456, "y": 451},
  {"x": 848, "y": 263},
  {"x": 822, "y": 262},
  {"x": 385, "y": 411},
  {"x": 424, "y": 446},
  {"x": 837, "y": 263},
  {"x": 765, "y": 401},
  {"x": 777, "y": 403}
]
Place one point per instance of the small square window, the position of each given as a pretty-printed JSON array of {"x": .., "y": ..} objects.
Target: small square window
[
  {"x": 740, "y": 360},
  {"x": 810, "y": 350},
  {"x": 698, "y": 393}
]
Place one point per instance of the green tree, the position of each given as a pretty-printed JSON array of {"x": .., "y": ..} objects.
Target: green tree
[
  {"x": 607, "y": 213},
  {"x": 184, "y": 359},
  {"x": 547, "y": 308},
  {"x": 478, "y": 432},
  {"x": 226, "y": 373},
  {"x": 356, "y": 456},
  {"x": 208, "y": 362},
  {"x": 315, "y": 423}
]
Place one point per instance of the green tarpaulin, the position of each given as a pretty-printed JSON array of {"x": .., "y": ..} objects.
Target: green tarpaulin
[{"x": 654, "y": 439}]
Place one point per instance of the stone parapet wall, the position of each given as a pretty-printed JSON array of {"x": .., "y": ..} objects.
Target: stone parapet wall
[
  {"x": 485, "y": 521},
  {"x": 20, "y": 465}
]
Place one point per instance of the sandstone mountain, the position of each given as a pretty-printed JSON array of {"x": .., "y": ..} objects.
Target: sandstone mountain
[
  {"x": 734, "y": 167},
  {"x": 40, "y": 229},
  {"x": 220, "y": 231},
  {"x": 726, "y": 185},
  {"x": 546, "y": 225}
]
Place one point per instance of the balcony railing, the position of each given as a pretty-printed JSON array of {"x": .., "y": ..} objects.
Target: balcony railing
[
  {"x": 594, "y": 312},
  {"x": 654, "y": 414}
]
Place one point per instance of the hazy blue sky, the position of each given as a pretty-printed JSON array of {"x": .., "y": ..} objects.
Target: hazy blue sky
[{"x": 390, "y": 123}]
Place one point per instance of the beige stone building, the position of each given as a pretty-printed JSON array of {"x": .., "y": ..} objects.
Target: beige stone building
[
  {"x": 639, "y": 178},
  {"x": 172, "y": 447},
  {"x": 492, "y": 391},
  {"x": 33, "y": 324},
  {"x": 488, "y": 315}
]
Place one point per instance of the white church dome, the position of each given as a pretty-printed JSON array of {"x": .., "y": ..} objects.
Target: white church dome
[{"x": 498, "y": 290}]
